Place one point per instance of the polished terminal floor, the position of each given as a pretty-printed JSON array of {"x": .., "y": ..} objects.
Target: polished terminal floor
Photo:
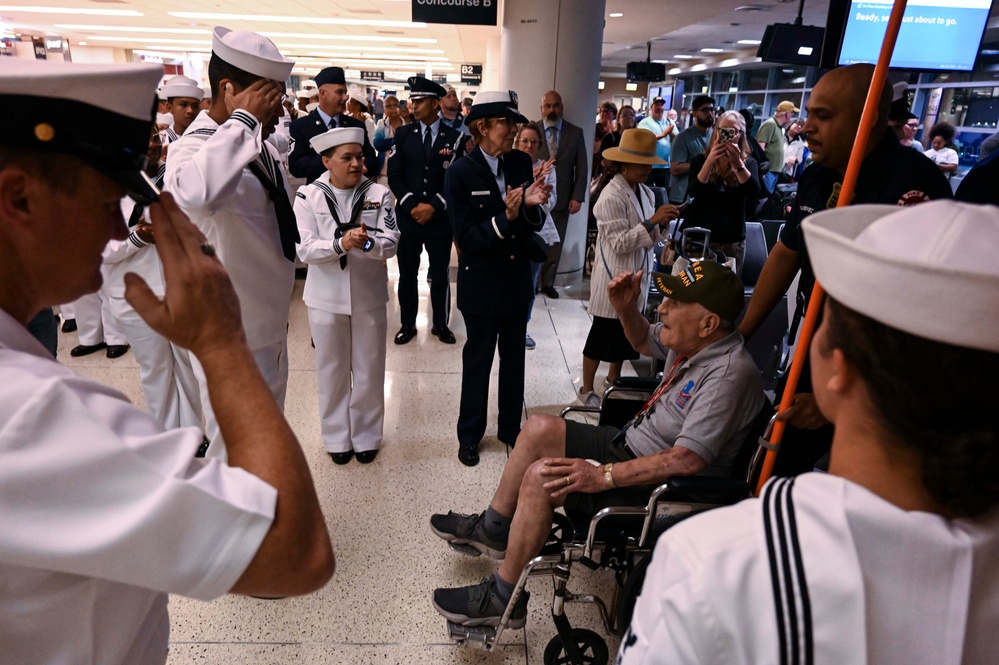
[{"x": 377, "y": 608}]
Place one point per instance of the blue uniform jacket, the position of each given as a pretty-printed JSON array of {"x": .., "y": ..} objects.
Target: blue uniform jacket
[
  {"x": 494, "y": 271},
  {"x": 304, "y": 162},
  {"x": 414, "y": 179}
]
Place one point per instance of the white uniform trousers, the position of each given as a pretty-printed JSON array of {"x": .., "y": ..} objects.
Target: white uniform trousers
[
  {"x": 94, "y": 321},
  {"x": 350, "y": 372},
  {"x": 168, "y": 379},
  {"x": 272, "y": 361}
]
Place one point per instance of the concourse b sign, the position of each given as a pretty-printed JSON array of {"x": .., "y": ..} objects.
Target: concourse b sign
[{"x": 463, "y": 12}]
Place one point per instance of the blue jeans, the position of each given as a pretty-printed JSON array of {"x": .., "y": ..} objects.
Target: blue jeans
[{"x": 535, "y": 271}]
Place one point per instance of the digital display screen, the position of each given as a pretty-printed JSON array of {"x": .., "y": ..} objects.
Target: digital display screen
[{"x": 935, "y": 34}]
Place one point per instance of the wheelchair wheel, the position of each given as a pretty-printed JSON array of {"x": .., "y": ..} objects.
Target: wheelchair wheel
[
  {"x": 591, "y": 646},
  {"x": 561, "y": 532}
]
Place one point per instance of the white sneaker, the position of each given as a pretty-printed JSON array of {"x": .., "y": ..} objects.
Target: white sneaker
[{"x": 589, "y": 398}]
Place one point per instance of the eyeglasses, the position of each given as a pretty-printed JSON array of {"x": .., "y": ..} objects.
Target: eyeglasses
[
  {"x": 706, "y": 109},
  {"x": 530, "y": 141}
]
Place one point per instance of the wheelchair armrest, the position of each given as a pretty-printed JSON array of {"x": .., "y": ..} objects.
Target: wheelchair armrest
[
  {"x": 639, "y": 383},
  {"x": 578, "y": 409},
  {"x": 707, "y": 489}
]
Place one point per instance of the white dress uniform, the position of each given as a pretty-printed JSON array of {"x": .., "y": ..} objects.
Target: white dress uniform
[
  {"x": 94, "y": 320},
  {"x": 208, "y": 175},
  {"x": 168, "y": 379},
  {"x": 881, "y": 585},
  {"x": 68, "y": 597},
  {"x": 346, "y": 294}
]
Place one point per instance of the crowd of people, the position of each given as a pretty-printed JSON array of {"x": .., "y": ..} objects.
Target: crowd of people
[{"x": 199, "y": 281}]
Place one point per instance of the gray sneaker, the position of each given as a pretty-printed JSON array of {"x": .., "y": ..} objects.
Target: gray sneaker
[
  {"x": 479, "y": 605},
  {"x": 459, "y": 529}
]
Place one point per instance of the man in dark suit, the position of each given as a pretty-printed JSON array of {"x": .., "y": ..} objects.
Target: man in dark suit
[
  {"x": 303, "y": 161},
  {"x": 422, "y": 151},
  {"x": 563, "y": 140},
  {"x": 494, "y": 206}
]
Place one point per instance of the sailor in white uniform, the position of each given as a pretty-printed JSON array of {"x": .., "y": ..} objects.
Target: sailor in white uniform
[
  {"x": 184, "y": 101},
  {"x": 104, "y": 512},
  {"x": 891, "y": 557},
  {"x": 168, "y": 379},
  {"x": 230, "y": 181},
  {"x": 348, "y": 230}
]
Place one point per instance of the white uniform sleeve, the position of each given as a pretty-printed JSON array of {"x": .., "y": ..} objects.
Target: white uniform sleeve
[
  {"x": 204, "y": 169},
  {"x": 92, "y": 486},
  {"x": 386, "y": 242},
  {"x": 311, "y": 247}
]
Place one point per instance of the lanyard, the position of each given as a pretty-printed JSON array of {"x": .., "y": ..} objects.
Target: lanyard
[{"x": 668, "y": 380}]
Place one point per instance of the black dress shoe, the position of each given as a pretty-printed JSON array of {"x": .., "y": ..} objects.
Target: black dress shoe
[
  {"x": 366, "y": 456},
  {"x": 468, "y": 455},
  {"x": 341, "y": 458},
  {"x": 551, "y": 293},
  {"x": 69, "y": 325},
  {"x": 86, "y": 349},
  {"x": 404, "y": 335},
  {"x": 117, "y": 350},
  {"x": 508, "y": 439},
  {"x": 443, "y": 334}
]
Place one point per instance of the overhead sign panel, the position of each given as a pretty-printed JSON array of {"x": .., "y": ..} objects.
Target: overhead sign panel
[
  {"x": 471, "y": 74},
  {"x": 455, "y": 12}
]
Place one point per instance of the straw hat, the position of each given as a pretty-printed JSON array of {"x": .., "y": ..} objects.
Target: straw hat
[{"x": 638, "y": 146}]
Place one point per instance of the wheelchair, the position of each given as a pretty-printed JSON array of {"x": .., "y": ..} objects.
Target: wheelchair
[{"x": 618, "y": 538}]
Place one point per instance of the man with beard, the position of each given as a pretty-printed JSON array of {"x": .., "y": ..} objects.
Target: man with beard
[
  {"x": 691, "y": 142},
  {"x": 229, "y": 179},
  {"x": 450, "y": 113},
  {"x": 562, "y": 141}
]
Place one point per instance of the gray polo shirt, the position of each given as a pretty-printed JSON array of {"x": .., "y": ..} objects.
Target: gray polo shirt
[
  {"x": 686, "y": 146},
  {"x": 709, "y": 407}
]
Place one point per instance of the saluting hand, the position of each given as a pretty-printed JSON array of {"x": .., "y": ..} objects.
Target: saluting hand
[
  {"x": 260, "y": 99},
  {"x": 623, "y": 291}
]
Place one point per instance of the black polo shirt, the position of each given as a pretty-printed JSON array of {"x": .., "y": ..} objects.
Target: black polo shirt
[{"x": 892, "y": 174}]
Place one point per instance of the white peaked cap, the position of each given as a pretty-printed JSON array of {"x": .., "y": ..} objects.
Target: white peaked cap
[
  {"x": 337, "y": 136},
  {"x": 929, "y": 270},
  {"x": 251, "y": 52},
  {"x": 181, "y": 86}
]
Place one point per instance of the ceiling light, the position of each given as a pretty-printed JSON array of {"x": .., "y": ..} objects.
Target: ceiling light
[
  {"x": 297, "y": 19},
  {"x": 119, "y": 28},
  {"x": 69, "y": 10},
  {"x": 205, "y": 31},
  {"x": 631, "y": 87},
  {"x": 683, "y": 57},
  {"x": 616, "y": 15},
  {"x": 712, "y": 50},
  {"x": 158, "y": 40},
  {"x": 600, "y": 85},
  {"x": 749, "y": 42},
  {"x": 662, "y": 62},
  {"x": 82, "y": 44},
  {"x": 699, "y": 68}
]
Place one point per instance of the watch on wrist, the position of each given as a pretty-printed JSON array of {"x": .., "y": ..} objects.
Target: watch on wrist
[{"x": 609, "y": 475}]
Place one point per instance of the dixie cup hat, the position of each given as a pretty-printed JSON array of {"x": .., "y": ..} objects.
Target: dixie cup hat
[
  {"x": 253, "y": 53},
  {"x": 707, "y": 283},
  {"x": 638, "y": 146},
  {"x": 68, "y": 108},
  {"x": 181, "y": 86},
  {"x": 337, "y": 136},
  {"x": 929, "y": 270},
  {"x": 495, "y": 104}
]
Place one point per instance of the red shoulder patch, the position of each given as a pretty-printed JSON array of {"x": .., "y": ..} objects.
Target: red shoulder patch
[{"x": 913, "y": 197}]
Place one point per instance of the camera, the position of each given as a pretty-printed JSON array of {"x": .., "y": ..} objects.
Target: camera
[{"x": 728, "y": 134}]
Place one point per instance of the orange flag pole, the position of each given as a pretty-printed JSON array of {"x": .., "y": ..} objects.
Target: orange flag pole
[{"x": 867, "y": 119}]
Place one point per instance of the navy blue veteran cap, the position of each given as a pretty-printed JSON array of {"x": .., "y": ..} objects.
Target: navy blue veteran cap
[
  {"x": 332, "y": 75},
  {"x": 420, "y": 86},
  {"x": 100, "y": 113},
  {"x": 708, "y": 283},
  {"x": 495, "y": 104}
]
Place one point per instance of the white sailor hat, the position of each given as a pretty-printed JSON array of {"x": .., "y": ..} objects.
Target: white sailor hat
[
  {"x": 253, "y": 53},
  {"x": 357, "y": 94},
  {"x": 181, "y": 86},
  {"x": 421, "y": 86},
  {"x": 495, "y": 104},
  {"x": 164, "y": 119},
  {"x": 929, "y": 270},
  {"x": 206, "y": 93},
  {"x": 307, "y": 94},
  {"x": 337, "y": 136},
  {"x": 160, "y": 95},
  {"x": 102, "y": 114},
  {"x": 311, "y": 106},
  {"x": 309, "y": 83}
]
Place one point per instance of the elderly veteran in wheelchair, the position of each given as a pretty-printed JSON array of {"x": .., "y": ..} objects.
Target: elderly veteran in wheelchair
[{"x": 695, "y": 423}]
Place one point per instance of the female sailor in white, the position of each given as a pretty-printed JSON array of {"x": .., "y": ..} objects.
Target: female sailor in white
[
  {"x": 348, "y": 230},
  {"x": 168, "y": 380}
]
